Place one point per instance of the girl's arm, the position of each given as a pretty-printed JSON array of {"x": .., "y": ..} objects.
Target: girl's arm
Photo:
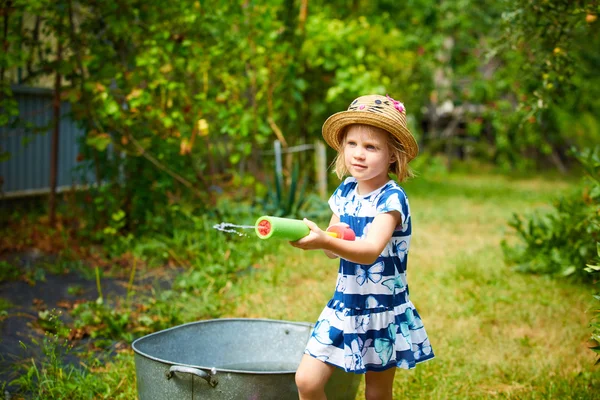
[{"x": 363, "y": 251}]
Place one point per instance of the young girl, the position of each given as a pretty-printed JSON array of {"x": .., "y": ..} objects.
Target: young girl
[{"x": 369, "y": 326}]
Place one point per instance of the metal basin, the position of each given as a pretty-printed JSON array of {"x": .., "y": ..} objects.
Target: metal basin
[{"x": 229, "y": 359}]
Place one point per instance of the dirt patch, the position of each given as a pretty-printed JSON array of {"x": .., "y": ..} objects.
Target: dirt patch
[{"x": 23, "y": 300}]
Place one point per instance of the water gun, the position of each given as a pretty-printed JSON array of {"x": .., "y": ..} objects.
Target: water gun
[{"x": 267, "y": 227}]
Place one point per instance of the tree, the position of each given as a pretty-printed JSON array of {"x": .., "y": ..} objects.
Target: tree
[{"x": 550, "y": 44}]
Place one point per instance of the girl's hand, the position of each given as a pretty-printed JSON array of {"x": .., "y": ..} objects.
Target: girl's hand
[
  {"x": 363, "y": 251},
  {"x": 316, "y": 239}
]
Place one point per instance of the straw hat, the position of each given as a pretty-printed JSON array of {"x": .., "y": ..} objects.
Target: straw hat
[{"x": 380, "y": 111}]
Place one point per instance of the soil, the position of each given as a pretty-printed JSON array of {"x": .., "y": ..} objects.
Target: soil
[{"x": 55, "y": 293}]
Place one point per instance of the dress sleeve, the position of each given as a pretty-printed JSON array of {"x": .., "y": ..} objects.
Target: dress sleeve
[
  {"x": 334, "y": 202},
  {"x": 339, "y": 196},
  {"x": 394, "y": 200}
]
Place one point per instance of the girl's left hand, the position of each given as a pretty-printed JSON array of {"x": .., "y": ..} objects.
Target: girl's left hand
[{"x": 314, "y": 240}]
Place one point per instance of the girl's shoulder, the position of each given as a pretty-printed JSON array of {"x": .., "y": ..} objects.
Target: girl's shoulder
[
  {"x": 349, "y": 181},
  {"x": 392, "y": 197},
  {"x": 349, "y": 184},
  {"x": 393, "y": 187}
]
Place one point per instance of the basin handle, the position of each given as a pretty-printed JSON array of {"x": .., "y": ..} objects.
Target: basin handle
[{"x": 210, "y": 378}]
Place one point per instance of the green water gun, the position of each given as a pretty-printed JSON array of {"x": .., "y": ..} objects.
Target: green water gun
[{"x": 267, "y": 227}]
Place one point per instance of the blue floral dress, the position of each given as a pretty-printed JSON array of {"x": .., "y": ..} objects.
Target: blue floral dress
[{"x": 370, "y": 324}]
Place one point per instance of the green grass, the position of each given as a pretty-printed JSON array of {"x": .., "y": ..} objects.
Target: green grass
[
  {"x": 496, "y": 333},
  {"x": 93, "y": 378}
]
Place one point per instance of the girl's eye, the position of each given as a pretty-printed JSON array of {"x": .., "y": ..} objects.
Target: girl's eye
[
  {"x": 370, "y": 147},
  {"x": 350, "y": 143}
]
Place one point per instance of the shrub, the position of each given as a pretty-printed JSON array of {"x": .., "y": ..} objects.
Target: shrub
[
  {"x": 595, "y": 323},
  {"x": 563, "y": 241}
]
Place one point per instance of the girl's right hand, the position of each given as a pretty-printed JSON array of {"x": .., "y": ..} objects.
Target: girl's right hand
[{"x": 316, "y": 239}]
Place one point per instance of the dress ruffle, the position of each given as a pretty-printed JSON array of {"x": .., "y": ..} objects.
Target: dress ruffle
[{"x": 361, "y": 340}]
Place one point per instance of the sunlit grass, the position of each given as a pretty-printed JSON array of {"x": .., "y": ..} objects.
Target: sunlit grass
[{"x": 496, "y": 333}]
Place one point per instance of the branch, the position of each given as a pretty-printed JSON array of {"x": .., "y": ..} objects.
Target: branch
[
  {"x": 277, "y": 131},
  {"x": 34, "y": 39},
  {"x": 302, "y": 16},
  {"x": 6, "y": 13},
  {"x": 163, "y": 168}
]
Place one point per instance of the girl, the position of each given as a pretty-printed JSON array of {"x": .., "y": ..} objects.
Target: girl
[{"x": 369, "y": 326}]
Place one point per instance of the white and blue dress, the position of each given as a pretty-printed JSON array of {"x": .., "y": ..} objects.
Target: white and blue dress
[{"x": 370, "y": 324}]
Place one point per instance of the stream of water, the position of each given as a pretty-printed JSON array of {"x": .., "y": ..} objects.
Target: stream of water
[{"x": 233, "y": 228}]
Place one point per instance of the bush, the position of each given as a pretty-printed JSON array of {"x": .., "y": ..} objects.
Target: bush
[
  {"x": 563, "y": 241},
  {"x": 595, "y": 323}
]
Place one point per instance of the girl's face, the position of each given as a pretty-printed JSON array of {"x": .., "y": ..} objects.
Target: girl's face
[{"x": 367, "y": 156}]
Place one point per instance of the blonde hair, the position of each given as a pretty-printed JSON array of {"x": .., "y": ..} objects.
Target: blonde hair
[{"x": 398, "y": 167}]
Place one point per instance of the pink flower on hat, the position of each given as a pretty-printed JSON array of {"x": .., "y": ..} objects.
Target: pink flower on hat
[{"x": 397, "y": 105}]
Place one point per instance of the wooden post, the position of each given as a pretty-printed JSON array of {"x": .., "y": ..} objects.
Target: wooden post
[
  {"x": 278, "y": 164},
  {"x": 321, "y": 168}
]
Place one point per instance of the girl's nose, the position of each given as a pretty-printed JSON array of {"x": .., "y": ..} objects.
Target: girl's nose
[{"x": 358, "y": 152}]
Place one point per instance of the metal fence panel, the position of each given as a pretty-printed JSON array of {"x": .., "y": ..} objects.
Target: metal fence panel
[{"x": 27, "y": 171}]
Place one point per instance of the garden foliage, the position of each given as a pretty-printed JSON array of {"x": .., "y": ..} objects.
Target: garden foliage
[
  {"x": 51, "y": 377},
  {"x": 180, "y": 99},
  {"x": 563, "y": 241},
  {"x": 595, "y": 323}
]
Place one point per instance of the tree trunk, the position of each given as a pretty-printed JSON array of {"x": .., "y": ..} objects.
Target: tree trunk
[{"x": 55, "y": 137}]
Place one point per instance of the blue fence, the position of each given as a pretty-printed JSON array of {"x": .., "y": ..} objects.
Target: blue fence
[{"x": 27, "y": 171}]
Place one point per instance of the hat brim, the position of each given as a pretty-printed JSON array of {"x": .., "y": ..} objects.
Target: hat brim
[{"x": 334, "y": 125}]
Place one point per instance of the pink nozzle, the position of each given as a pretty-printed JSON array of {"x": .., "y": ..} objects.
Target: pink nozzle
[
  {"x": 264, "y": 227},
  {"x": 343, "y": 231}
]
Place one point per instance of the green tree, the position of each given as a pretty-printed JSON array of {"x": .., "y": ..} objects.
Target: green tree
[
  {"x": 553, "y": 70},
  {"x": 177, "y": 98}
]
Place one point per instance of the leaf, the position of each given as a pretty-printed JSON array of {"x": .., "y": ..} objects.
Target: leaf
[
  {"x": 112, "y": 107},
  {"x": 202, "y": 127},
  {"x": 165, "y": 69},
  {"x": 592, "y": 268},
  {"x": 135, "y": 93},
  {"x": 5, "y": 156},
  {"x": 234, "y": 158},
  {"x": 99, "y": 141},
  {"x": 118, "y": 216},
  {"x": 185, "y": 147},
  {"x": 568, "y": 271}
]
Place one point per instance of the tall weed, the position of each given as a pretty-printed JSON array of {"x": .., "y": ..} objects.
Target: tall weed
[
  {"x": 51, "y": 377},
  {"x": 283, "y": 200}
]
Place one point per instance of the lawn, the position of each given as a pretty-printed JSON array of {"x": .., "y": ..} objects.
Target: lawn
[{"x": 496, "y": 333}]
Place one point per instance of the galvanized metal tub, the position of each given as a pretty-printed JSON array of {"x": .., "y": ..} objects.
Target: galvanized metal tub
[{"x": 238, "y": 358}]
